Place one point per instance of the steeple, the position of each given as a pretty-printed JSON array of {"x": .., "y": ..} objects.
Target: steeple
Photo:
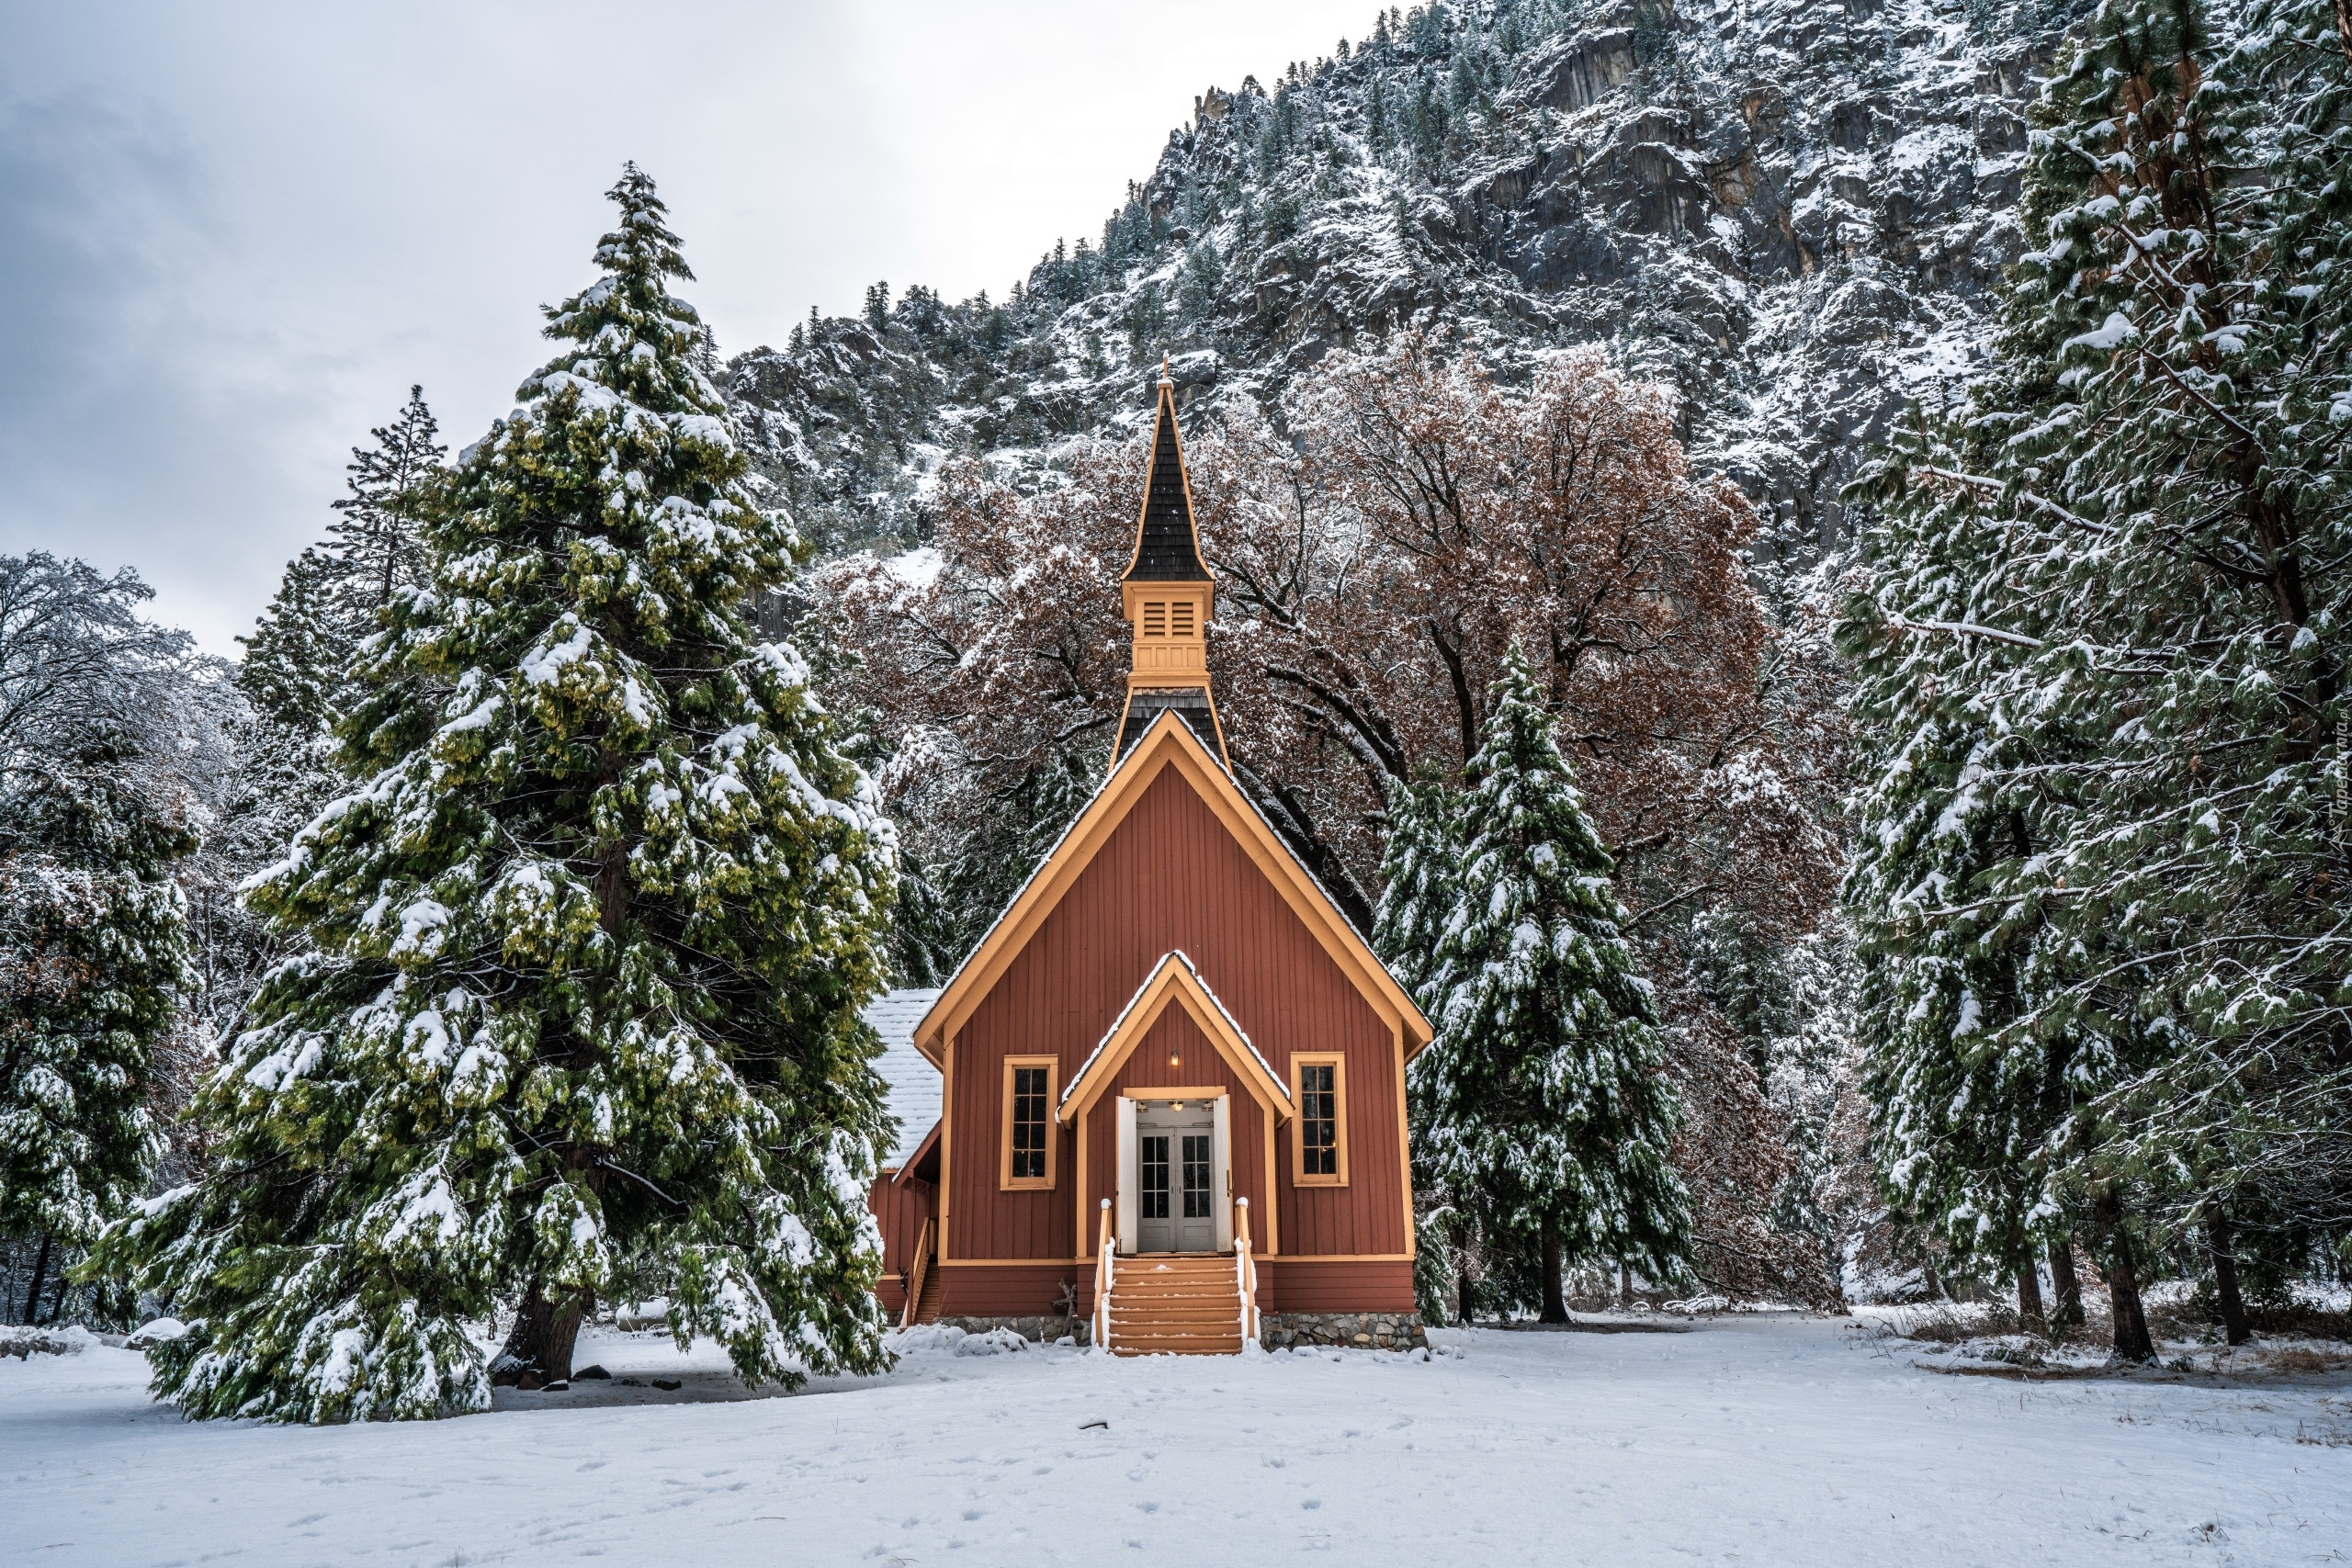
[{"x": 1167, "y": 596}]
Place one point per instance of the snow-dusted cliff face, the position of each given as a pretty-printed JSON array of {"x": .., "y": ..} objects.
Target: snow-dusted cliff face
[{"x": 1795, "y": 211}]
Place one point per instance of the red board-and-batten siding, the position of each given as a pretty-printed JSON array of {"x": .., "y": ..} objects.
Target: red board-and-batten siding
[
  {"x": 900, "y": 1208},
  {"x": 1171, "y": 876}
]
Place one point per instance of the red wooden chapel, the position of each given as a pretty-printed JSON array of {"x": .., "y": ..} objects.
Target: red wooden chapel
[{"x": 1170, "y": 1080}]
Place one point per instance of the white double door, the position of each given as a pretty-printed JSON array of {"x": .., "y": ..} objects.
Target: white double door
[{"x": 1174, "y": 1176}]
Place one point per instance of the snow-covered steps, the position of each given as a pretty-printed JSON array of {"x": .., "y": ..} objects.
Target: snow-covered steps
[{"x": 1177, "y": 1303}]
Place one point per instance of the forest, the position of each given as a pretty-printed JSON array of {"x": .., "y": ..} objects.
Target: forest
[{"x": 1936, "y": 858}]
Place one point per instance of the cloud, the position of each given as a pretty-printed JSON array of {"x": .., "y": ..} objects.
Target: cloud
[
  {"x": 235, "y": 234},
  {"x": 133, "y": 393}
]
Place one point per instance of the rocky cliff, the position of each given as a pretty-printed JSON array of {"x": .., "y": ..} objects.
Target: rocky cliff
[{"x": 1794, "y": 210}]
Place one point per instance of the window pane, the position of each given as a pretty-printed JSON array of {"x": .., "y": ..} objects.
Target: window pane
[
  {"x": 1196, "y": 1176},
  {"x": 1029, "y": 1123},
  {"x": 1318, "y": 1119},
  {"x": 1152, "y": 1202}
]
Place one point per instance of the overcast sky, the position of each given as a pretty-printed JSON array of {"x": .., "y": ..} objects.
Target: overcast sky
[{"x": 231, "y": 235}]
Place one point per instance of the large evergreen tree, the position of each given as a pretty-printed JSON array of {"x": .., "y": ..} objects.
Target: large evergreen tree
[
  {"x": 590, "y": 939},
  {"x": 2137, "y": 526},
  {"x": 1542, "y": 1093},
  {"x": 93, "y": 959},
  {"x": 1968, "y": 1108}
]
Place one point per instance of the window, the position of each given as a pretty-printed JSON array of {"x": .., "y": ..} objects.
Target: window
[
  {"x": 1151, "y": 1167},
  {"x": 1196, "y": 1176},
  {"x": 1319, "y": 1146},
  {"x": 1155, "y": 619},
  {"x": 1029, "y": 1131},
  {"x": 1181, "y": 623}
]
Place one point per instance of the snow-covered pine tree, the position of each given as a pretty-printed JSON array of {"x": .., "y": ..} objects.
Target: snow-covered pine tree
[
  {"x": 378, "y": 536},
  {"x": 591, "y": 940},
  {"x": 1965, "y": 1107},
  {"x": 93, "y": 959},
  {"x": 1418, "y": 863},
  {"x": 300, "y": 658},
  {"x": 1419, "y": 872},
  {"x": 1541, "y": 1094},
  {"x": 2156, "y": 461}
]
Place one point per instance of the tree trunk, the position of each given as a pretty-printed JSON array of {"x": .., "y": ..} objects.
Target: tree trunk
[
  {"x": 1555, "y": 1304},
  {"x": 2225, "y": 1276},
  {"x": 32, "y": 1296},
  {"x": 2132, "y": 1341},
  {"x": 1465, "y": 1298},
  {"x": 2069, "y": 1289},
  {"x": 2028, "y": 1292},
  {"x": 1625, "y": 1286},
  {"x": 539, "y": 1348}
]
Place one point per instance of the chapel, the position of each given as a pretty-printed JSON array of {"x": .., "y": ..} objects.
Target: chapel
[{"x": 1161, "y": 1106}]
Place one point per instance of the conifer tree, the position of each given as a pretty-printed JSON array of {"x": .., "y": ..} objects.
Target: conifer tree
[
  {"x": 92, "y": 960},
  {"x": 1419, "y": 866},
  {"x": 300, "y": 658},
  {"x": 2142, "y": 530},
  {"x": 391, "y": 486},
  {"x": 1541, "y": 1094},
  {"x": 1418, "y": 895},
  {"x": 581, "y": 1020},
  {"x": 1968, "y": 1105}
]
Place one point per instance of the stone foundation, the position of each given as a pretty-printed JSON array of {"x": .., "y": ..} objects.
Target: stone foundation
[
  {"x": 1043, "y": 1330},
  {"x": 1352, "y": 1330}
]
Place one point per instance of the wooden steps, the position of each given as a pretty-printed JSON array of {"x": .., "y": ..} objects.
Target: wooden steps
[
  {"x": 1177, "y": 1303},
  {"x": 927, "y": 1305}
]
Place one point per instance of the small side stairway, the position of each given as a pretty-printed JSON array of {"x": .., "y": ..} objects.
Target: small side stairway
[
  {"x": 922, "y": 1282},
  {"x": 1183, "y": 1304}
]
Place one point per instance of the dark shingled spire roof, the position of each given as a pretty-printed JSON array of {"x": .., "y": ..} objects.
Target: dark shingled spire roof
[
  {"x": 1167, "y": 550},
  {"x": 1191, "y": 703}
]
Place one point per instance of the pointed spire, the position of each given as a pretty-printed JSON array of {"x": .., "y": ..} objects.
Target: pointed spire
[
  {"x": 1168, "y": 596},
  {"x": 1168, "y": 548}
]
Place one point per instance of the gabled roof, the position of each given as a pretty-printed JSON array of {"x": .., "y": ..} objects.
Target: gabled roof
[
  {"x": 913, "y": 1083},
  {"x": 1174, "y": 982},
  {"x": 1168, "y": 548},
  {"x": 1167, "y": 744}
]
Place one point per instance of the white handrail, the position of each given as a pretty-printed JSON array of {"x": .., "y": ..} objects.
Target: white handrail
[
  {"x": 1104, "y": 1267},
  {"x": 1245, "y": 1272}
]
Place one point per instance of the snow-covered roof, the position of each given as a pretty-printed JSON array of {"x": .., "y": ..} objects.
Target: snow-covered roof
[
  {"x": 914, "y": 1096},
  {"x": 1178, "y": 958}
]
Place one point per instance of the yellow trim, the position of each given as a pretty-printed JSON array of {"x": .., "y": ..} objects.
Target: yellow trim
[
  {"x": 1338, "y": 1063},
  {"x": 1173, "y": 980},
  {"x": 1167, "y": 744},
  {"x": 946, "y": 1147},
  {"x": 1404, "y": 1142},
  {"x": 1005, "y": 1180}
]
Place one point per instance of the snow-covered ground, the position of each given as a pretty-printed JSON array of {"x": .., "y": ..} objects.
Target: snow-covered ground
[{"x": 1757, "y": 1440}]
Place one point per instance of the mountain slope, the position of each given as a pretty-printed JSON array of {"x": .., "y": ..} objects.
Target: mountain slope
[{"x": 1794, "y": 212}]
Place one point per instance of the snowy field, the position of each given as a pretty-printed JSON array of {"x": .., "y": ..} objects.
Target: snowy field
[{"x": 1756, "y": 1441}]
